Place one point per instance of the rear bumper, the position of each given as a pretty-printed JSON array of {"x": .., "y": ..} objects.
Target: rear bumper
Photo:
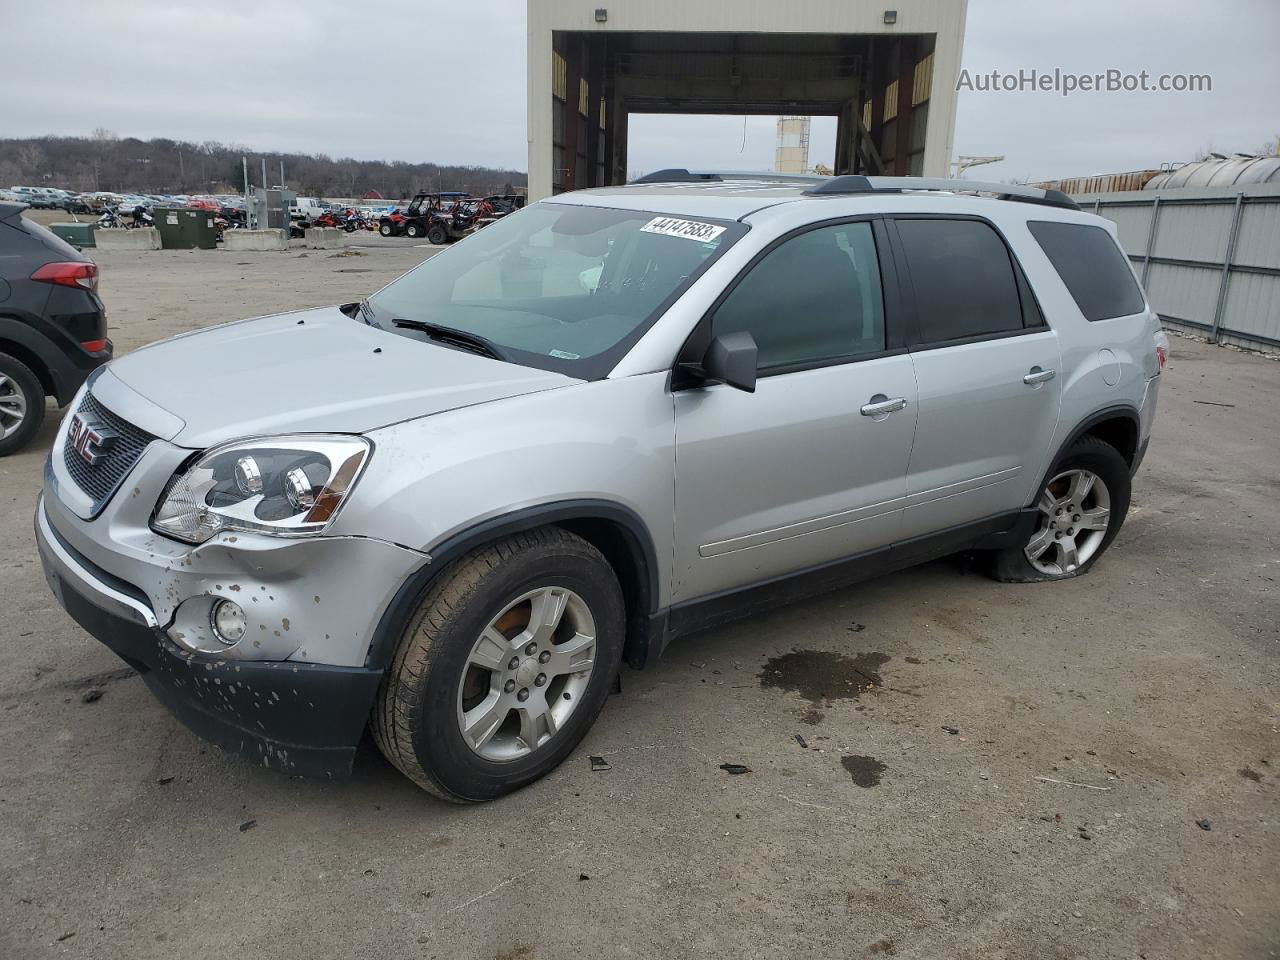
[
  {"x": 298, "y": 718},
  {"x": 1139, "y": 456}
]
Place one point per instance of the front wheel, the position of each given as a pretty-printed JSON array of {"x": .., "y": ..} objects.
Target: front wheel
[
  {"x": 1079, "y": 512},
  {"x": 413, "y": 230},
  {"x": 503, "y": 667},
  {"x": 437, "y": 234}
]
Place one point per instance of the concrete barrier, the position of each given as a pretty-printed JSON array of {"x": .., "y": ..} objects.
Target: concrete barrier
[
  {"x": 323, "y": 238},
  {"x": 255, "y": 240},
  {"x": 117, "y": 238}
]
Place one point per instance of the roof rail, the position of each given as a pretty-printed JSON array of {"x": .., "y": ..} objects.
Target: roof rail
[
  {"x": 682, "y": 175},
  {"x": 854, "y": 183}
]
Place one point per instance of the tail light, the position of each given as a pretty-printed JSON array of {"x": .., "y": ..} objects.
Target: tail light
[
  {"x": 73, "y": 274},
  {"x": 1162, "y": 350}
]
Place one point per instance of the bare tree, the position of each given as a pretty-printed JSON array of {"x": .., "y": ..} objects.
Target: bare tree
[{"x": 106, "y": 161}]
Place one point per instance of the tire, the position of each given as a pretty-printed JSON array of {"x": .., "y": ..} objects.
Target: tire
[
  {"x": 436, "y": 234},
  {"x": 386, "y": 229},
  {"x": 21, "y": 404},
  {"x": 418, "y": 717},
  {"x": 1073, "y": 529},
  {"x": 413, "y": 230}
]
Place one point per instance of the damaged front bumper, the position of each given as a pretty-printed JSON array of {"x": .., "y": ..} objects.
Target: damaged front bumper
[{"x": 293, "y": 716}]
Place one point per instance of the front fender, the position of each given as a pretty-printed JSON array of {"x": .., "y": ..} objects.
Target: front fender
[{"x": 439, "y": 479}]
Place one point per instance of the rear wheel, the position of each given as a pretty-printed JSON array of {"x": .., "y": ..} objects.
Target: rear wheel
[
  {"x": 504, "y": 666},
  {"x": 21, "y": 404},
  {"x": 1080, "y": 511},
  {"x": 437, "y": 234},
  {"x": 413, "y": 230}
]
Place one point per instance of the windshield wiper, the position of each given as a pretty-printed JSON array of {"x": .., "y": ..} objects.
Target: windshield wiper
[{"x": 458, "y": 338}]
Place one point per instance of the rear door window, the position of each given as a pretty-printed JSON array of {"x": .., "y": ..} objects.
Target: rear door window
[
  {"x": 1091, "y": 266},
  {"x": 963, "y": 278}
]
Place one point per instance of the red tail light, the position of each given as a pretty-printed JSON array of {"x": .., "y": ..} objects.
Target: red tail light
[
  {"x": 84, "y": 275},
  {"x": 94, "y": 346},
  {"x": 1162, "y": 351}
]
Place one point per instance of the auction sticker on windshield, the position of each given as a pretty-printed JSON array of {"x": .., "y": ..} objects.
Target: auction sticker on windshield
[{"x": 687, "y": 229}]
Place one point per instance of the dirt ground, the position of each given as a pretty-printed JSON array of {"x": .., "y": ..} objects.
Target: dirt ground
[{"x": 940, "y": 766}]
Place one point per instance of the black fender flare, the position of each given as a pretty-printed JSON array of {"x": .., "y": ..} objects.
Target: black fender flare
[
  {"x": 1120, "y": 410},
  {"x": 636, "y": 539},
  {"x": 58, "y": 370}
]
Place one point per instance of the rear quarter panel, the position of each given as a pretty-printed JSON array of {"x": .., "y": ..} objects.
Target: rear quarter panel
[{"x": 1105, "y": 363}]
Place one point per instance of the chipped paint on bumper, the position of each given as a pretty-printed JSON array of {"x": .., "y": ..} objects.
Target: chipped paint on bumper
[{"x": 304, "y": 719}]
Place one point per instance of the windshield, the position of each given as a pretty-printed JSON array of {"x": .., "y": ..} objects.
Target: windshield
[{"x": 557, "y": 286}]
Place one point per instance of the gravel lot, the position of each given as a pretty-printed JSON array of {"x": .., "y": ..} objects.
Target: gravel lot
[{"x": 941, "y": 766}]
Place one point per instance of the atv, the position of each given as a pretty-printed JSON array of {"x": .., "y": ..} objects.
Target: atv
[
  {"x": 440, "y": 217},
  {"x": 391, "y": 224}
]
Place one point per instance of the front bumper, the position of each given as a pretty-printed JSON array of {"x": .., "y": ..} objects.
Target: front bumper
[{"x": 297, "y": 718}]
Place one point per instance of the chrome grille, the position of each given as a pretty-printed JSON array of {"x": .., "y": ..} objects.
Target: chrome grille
[{"x": 100, "y": 480}]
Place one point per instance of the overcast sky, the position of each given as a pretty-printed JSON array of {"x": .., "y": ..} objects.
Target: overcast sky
[{"x": 410, "y": 80}]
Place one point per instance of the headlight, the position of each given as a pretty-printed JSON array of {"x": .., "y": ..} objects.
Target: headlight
[{"x": 288, "y": 486}]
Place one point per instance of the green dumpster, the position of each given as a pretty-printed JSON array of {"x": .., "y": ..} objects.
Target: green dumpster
[
  {"x": 76, "y": 234},
  {"x": 182, "y": 228}
]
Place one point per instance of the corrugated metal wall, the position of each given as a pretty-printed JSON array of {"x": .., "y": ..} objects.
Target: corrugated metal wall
[{"x": 1209, "y": 259}]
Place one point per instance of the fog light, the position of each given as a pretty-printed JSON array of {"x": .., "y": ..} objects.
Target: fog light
[{"x": 228, "y": 622}]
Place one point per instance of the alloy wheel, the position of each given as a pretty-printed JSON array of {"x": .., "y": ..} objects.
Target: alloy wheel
[
  {"x": 526, "y": 673},
  {"x": 1075, "y": 512},
  {"x": 13, "y": 406}
]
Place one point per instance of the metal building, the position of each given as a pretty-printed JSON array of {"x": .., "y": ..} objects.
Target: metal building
[
  {"x": 1236, "y": 171},
  {"x": 886, "y": 71},
  {"x": 792, "y": 155}
]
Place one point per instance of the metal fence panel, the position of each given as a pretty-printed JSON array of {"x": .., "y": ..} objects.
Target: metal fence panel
[
  {"x": 1187, "y": 294},
  {"x": 1258, "y": 244},
  {"x": 1133, "y": 223},
  {"x": 1193, "y": 231},
  {"x": 1256, "y": 297},
  {"x": 1213, "y": 266}
]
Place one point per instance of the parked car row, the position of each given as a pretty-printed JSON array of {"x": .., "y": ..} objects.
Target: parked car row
[{"x": 52, "y": 198}]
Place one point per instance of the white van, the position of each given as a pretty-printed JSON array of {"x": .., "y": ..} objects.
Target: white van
[{"x": 308, "y": 208}]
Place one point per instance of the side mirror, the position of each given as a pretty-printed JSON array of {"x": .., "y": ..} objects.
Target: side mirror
[{"x": 731, "y": 359}]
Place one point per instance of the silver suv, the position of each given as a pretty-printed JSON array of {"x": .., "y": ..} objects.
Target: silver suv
[{"x": 450, "y": 511}]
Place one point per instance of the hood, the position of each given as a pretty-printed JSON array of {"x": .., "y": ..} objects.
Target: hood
[{"x": 312, "y": 371}]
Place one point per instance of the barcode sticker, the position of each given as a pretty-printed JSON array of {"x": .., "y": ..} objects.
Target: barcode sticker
[{"x": 686, "y": 229}]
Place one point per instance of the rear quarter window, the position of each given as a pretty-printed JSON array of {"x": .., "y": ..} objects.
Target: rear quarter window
[{"x": 1093, "y": 268}]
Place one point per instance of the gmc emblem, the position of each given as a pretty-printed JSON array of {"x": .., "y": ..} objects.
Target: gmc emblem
[{"x": 89, "y": 438}]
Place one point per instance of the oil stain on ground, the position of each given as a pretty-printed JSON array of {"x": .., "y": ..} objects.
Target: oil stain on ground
[
  {"x": 822, "y": 677},
  {"x": 865, "y": 771}
]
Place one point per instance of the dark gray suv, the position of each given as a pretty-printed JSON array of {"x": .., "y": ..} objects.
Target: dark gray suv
[{"x": 53, "y": 327}]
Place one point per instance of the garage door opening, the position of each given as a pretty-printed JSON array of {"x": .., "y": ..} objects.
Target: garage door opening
[
  {"x": 656, "y": 141},
  {"x": 596, "y": 109}
]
